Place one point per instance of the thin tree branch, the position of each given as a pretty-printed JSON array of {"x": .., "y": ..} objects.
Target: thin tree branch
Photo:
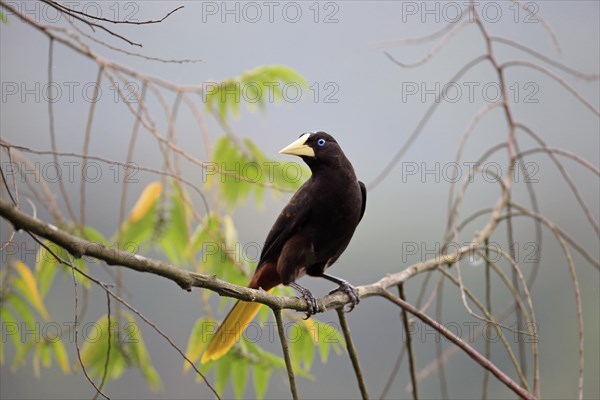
[
  {"x": 411, "y": 357},
  {"x": 470, "y": 351},
  {"x": 187, "y": 279},
  {"x": 488, "y": 306},
  {"x": 126, "y": 304},
  {"x": 352, "y": 353},
  {"x": 108, "y": 348},
  {"x": 286, "y": 353},
  {"x": 51, "y": 100},
  {"x": 413, "y": 136}
]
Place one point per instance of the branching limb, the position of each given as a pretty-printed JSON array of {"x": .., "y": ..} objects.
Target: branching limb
[{"x": 471, "y": 352}]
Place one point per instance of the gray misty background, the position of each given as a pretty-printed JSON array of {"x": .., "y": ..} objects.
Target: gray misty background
[{"x": 371, "y": 117}]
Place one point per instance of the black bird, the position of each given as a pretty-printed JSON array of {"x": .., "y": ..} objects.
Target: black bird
[{"x": 310, "y": 234}]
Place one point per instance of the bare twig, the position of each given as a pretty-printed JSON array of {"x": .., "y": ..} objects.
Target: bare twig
[
  {"x": 413, "y": 136},
  {"x": 411, "y": 357},
  {"x": 470, "y": 351},
  {"x": 61, "y": 184},
  {"x": 75, "y": 323},
  {"x": 108, "y": 348},
  {"x": 86, "y": 146},
  {"x": 286, "y": 353},
  {"x": 443, "y": 42},
  {"x": 352, "y": 353},
  {"x": 129, "y": 306}
]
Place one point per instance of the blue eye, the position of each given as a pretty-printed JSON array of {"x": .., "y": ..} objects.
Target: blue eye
[{"x": 321, "y": 142}]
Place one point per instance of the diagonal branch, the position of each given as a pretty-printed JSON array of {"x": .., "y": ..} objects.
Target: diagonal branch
[
  {"x": 187, "y": 279},
  {"x": 471, "y": 352}
]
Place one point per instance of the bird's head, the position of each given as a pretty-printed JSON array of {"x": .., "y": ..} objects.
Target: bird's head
[{"x": 316, "y": 148}]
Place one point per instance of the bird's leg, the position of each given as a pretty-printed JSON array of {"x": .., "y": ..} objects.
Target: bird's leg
[
  {"x": 345, "y": 287},
  {"x": 310, "y": 299}
]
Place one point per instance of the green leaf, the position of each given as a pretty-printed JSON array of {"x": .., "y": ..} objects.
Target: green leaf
[
  {"x": 22, "y": 352},
  {"x": 93, "y": 235},
  {"x": 202, "y": 235},
  {"x": 28, "y": 287},
  {"x": 328, "y": 337},
  {"x": 22, "y": 309},
  {"x": 46, "y": 266},
  {"x": 253, "y": 87},
  {"x": 197, "y": 341},
  {"x": 140, "y": 355},
  {"x": 244, "y": 170},
  {"x": 174, "y": 239},
  {"x": 10, "y": 327},
  {"x": 239, "y": 374},
  {"x": 260, "y": 378},
  {"x": 136, "y": 233},
  {"x": 222, "y": 373},
  {"x": 3, "y": 18},
  {"x": 143, "y": 221},
  {"x": 60, "y": 354},
  {"x": 94, "y": 351}
]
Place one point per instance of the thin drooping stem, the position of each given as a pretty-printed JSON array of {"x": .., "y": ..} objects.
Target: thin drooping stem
[
  {"x": 126, "y": 304},
  {"x": 108, "y": 348},
  {"x": 51, "y": 124},
  {"x": 488, "y": 306},
  {"x": 411, "y": 357},
  {"x": 86, "y": 148},
  {"x": 352, "y": 353},
  {"x": 98, "y": 390},
  {"x": 470, "y": 351},
  {"x": 286, "y": 353}
]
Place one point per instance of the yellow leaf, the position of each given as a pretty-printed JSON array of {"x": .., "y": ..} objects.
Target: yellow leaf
[
  {"x": 35, "y": 298},
  {"x": 61, "y": 356},
  {"x": 196, "y": 343},
  {"x": 147, "y": 199},
  {"x": 312, "y": 328}
]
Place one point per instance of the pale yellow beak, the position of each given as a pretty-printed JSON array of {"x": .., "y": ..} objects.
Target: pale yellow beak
[{"x": 299, "y": 148}]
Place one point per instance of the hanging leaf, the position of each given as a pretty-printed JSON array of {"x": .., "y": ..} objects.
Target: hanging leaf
[
  {"x": 260, "y": 378},
  {"x": 46, "y": 266},
  {"x": 198, "y": 340},
  {"x": 254, "y": 87},
  {"x": 175, "y": 237},
  {"x": 222, "y": 374},
  {"x": 93, "y": 235},
  {"x": 243, "y": 170},
  {"x": 27, "y": 285},
  {"x": 239, "y": 376},
  {"x": 22, "y": 309},
  {"x": 142, "y": 226},
  {"x": 127, "y": 351},
  {"x": 60, "y": 354},
  {"x": 139, "y": 354},
  {"x": 10, "y": 327},
  {"x": 146, "y": 201}
]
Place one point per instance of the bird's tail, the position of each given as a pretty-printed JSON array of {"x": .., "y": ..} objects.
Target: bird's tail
[
  {"x": 230, "y": 330},
  {"x": 240, "y": 315}
]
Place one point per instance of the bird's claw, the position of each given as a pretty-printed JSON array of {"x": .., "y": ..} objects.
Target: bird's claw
[
  {"x": 312, "y": 304},
  {"x": 351, "y": 291},
  {"x": 313, "y": 308}
]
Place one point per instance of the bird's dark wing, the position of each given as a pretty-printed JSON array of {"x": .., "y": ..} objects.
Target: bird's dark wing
[
  {"x": 291, "y": 219},
  {"x": 363, "y": 190}
]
